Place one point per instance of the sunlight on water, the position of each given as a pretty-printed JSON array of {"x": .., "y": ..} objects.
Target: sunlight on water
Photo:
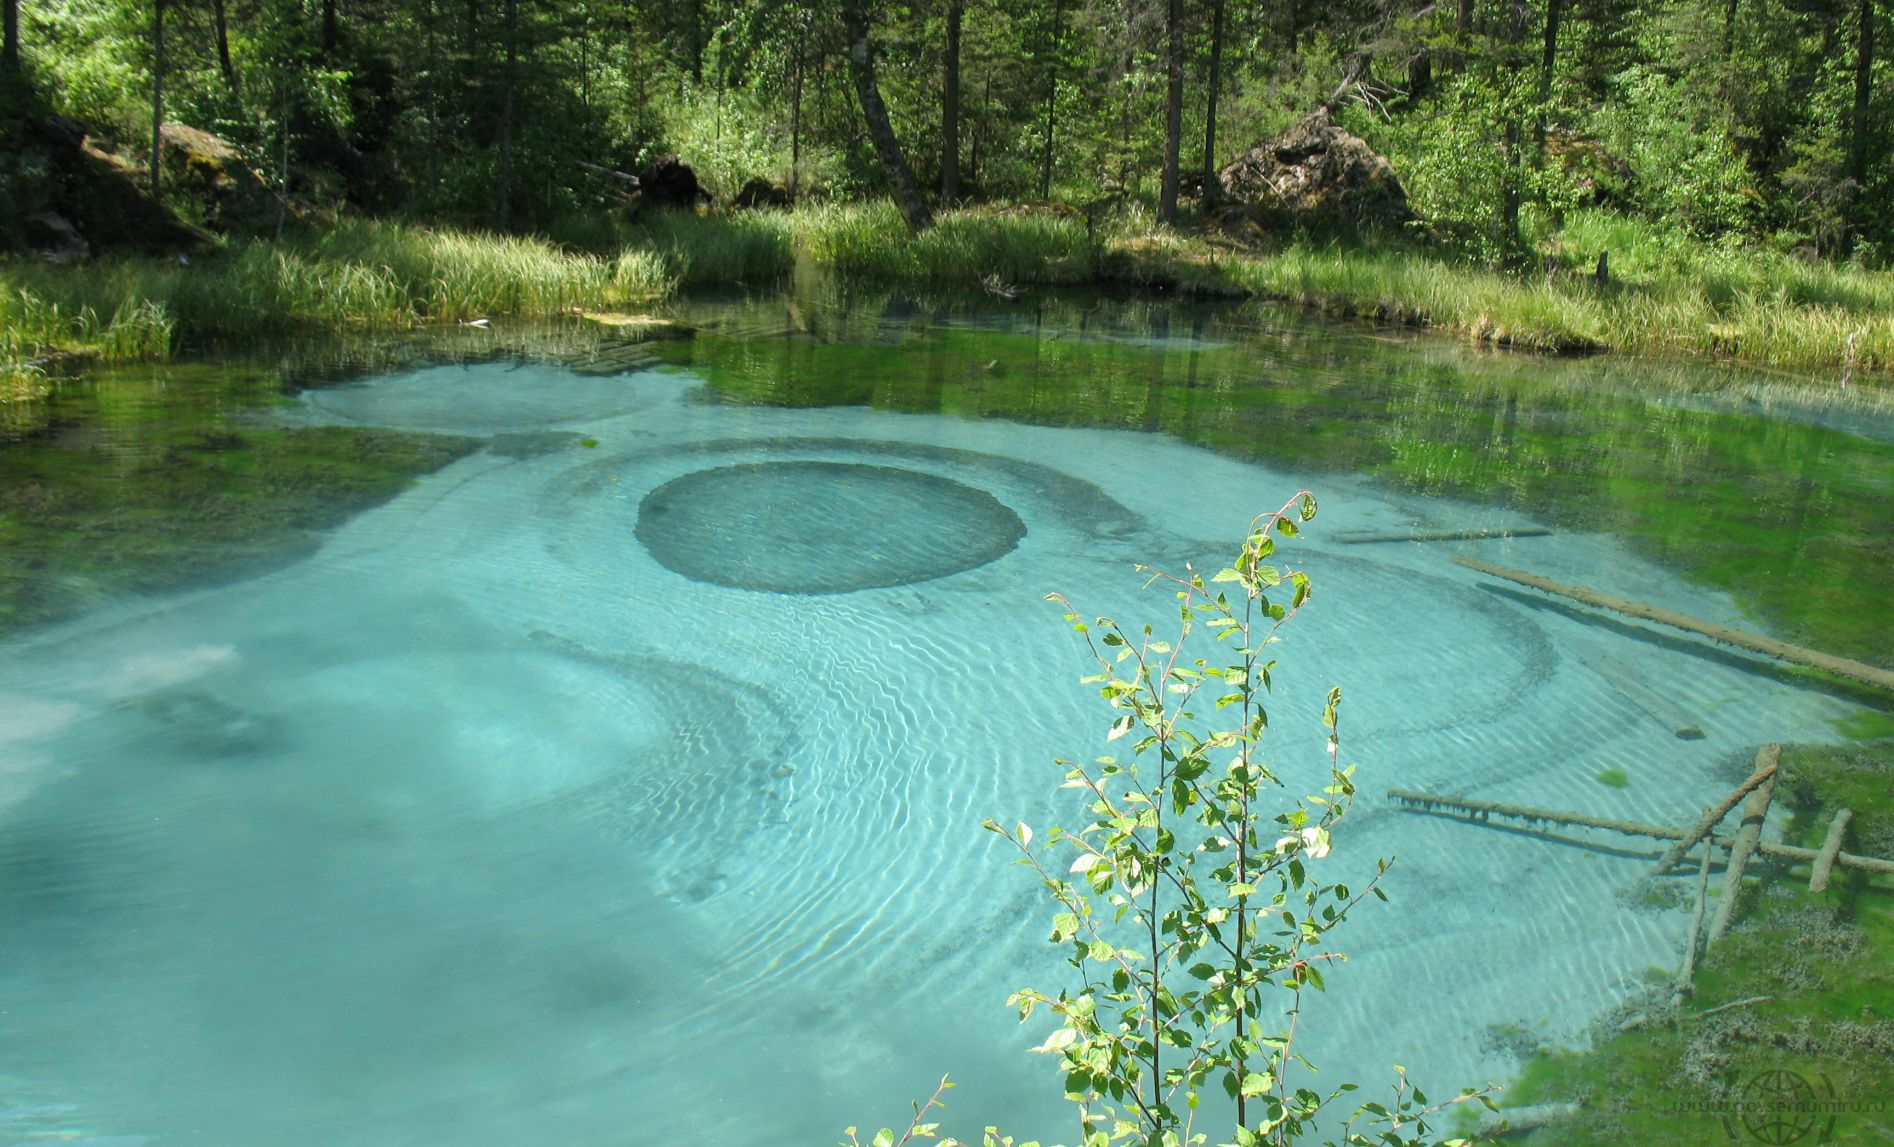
[{"x": 622, "y": 783}]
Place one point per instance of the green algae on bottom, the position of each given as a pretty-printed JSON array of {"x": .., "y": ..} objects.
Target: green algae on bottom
[
  {"x": 89, "y": 523},
  {"x": 1806, "y": 987},
  {"x": 1866, "y": 725}
]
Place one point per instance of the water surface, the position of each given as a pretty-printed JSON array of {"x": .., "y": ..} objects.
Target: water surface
[{"x": 620, "y": 780}]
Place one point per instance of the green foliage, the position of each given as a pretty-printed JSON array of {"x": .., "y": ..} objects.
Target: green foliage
[
  {"x": 355, "y": 275},
  {"x": 1195, "y": 911}
]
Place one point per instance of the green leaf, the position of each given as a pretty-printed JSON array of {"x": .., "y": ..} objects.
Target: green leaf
[{"x": 1257, "y": 1083}]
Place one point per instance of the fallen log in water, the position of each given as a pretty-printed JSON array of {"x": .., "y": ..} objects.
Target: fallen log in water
[
  {"x": 1627, "y": 683},
  {"x": 1481, "y": 810},
  {"x": 1830, "y": 850},
  {"x": 1696, "y": 924},
  {"x": 1768, "y": 646},
  {"x": 1364, "y": 537},
  {"x": 1767, "y": 762},
  {"x": 1755, "y": 811}
]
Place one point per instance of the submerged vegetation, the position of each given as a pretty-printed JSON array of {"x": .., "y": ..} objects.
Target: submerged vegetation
[
  {"x": 151, "y": 495},
  {"x": 1796, "y": 1004}
]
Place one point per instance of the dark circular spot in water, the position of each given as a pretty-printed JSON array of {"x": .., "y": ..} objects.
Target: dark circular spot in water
[{"x": 822, "y": 527}]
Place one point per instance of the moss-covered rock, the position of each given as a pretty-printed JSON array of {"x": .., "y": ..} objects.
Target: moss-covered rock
[{"x": 229, "y": 195}]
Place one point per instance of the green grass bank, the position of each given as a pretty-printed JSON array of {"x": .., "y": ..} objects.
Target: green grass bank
[{"x": 1668, "y": 295}]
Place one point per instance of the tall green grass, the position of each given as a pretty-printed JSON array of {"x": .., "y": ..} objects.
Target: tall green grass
[
  {"x": 1668, "y": 294},
  {"x": 357, "y": 275}
]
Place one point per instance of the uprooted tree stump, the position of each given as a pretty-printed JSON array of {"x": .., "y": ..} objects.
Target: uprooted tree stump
[{"x": 1316, "y": 177}]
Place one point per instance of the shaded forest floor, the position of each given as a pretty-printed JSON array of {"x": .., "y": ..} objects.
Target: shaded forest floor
[{"x": 1664, "y": 296}]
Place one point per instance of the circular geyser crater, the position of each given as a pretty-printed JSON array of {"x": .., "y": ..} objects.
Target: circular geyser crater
[{"x": 822, "y": 527}]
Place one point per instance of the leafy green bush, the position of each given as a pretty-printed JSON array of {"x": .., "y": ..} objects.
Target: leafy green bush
[{"x": 1189, "y": 901}]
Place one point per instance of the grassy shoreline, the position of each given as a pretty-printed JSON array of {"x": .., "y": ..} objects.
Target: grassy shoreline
[{"x": 1667, "y": 297}]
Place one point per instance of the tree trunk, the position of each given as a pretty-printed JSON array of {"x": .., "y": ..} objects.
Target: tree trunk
[
  {"x": 1173, "y": 114},
  {"x": 697, "y": 41},
  {"x": 331, "y": 34},
  {"x": 1729, "y": 30},
  {"x": 1548, "y": 55},
  {"x": 861, "y": 59},
  {"x": 224, "y": 65},
  {"x": 795, "y": 109},
  {"x": 10, "y": 43},
  {"x": 506, "y": 113},
  {"x": 950, "y": 107},
  {"x": 1864, "y": 80},
  {"x": 157, "y": 93},
  {"x": 1213, "y": 84},
  {"x": 1052, "y": 98},
  {"x": 1047, "y": 136}
]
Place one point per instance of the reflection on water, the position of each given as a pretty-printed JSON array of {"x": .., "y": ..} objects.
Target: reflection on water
[{"x": 492, "y": 814}]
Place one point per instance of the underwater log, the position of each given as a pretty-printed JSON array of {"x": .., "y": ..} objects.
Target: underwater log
[
  {"x": 1767, "y": 761},
  {"x": 1831, "y": 848},
  {"x": 1755, "y": 809},
  {"x": 1696, "y": 924},
  {"x": 1755, "y": 643},
  {"x": 1360, "y": 537},
  {"x": 1479, "y": 811},
  {"x": 1626, "y": 683}
]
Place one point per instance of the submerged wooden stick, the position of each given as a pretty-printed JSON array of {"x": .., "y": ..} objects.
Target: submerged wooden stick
[
  {"x": 1480, "y": 810},
  {"x": 1768, "y": 646},
  {"x": 1696, "y": 924},
  {"x": 1755, "y": 810},
  {"x": 1363, "y": 537},
  {"x": 1767, "y": 761},
  {"x": 1831, "y": 848},
  {"x": 1743, "y": 1003}
]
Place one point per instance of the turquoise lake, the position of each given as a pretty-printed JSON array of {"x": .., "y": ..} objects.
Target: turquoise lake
[{"x": 619, "y": 780}]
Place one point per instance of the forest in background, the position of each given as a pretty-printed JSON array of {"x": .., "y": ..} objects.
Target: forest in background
[{"x": 1754, "y": 123}]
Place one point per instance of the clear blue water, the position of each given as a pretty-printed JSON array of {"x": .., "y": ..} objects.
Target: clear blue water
[{"x": 630, "y": 792}]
